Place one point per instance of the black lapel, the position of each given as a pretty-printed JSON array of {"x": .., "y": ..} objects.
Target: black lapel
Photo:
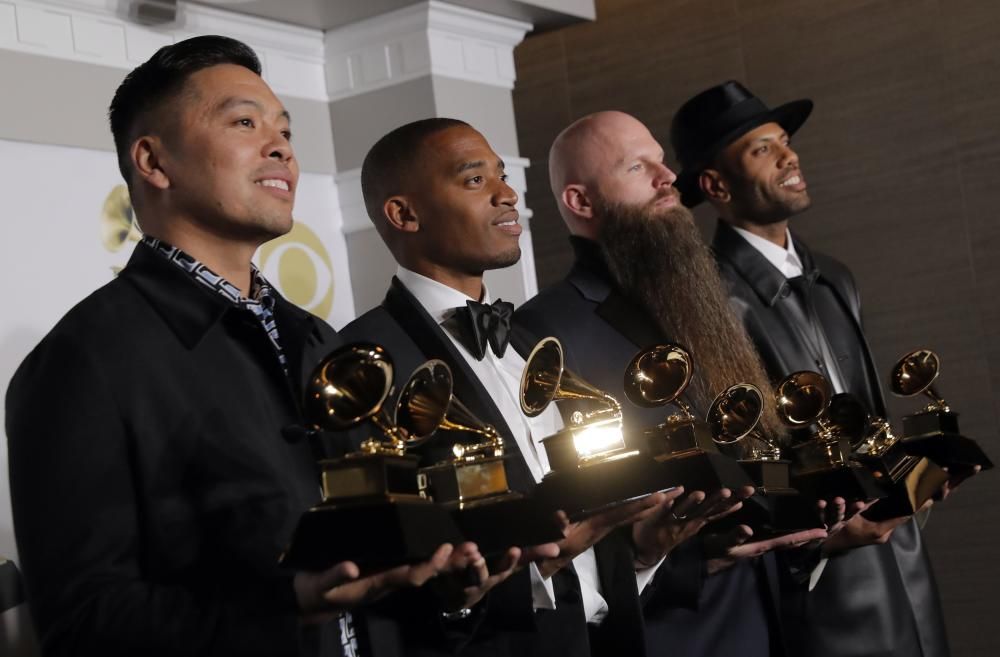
[{"x": 433, "y": 343}]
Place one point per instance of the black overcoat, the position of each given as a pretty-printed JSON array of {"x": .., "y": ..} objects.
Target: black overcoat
[
  {"x": 878, "y": 600},
  {"x": 152, "y": 489}
]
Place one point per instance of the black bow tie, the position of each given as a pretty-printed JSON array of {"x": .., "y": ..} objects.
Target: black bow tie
[{"x": 477, "y": 324}]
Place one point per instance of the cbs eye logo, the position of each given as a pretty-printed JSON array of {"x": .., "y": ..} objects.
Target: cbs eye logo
[{"x": 297, "y": 263}]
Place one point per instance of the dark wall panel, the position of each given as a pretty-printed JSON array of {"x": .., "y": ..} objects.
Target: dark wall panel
[{"x": 902, "y": 155}]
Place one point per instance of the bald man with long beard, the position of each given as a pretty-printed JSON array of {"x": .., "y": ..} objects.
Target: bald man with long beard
[{"x": 643, "y": 276}]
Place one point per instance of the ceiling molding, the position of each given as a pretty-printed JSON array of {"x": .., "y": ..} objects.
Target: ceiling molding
[
  {"x": 431, "y": 38},
  {"x": 101, "y": 32}
]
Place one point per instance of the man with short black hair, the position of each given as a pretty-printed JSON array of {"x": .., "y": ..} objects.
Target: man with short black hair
[
  {"x": 152, "y": 490},
  {"x": 876, "y": 594}
]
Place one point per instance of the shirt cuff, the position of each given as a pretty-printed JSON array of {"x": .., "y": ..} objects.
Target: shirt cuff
[
  {"x": 543, "y": 595},
  {"x": 645, "y": 575},
  {"x": 816, "y": 573}
]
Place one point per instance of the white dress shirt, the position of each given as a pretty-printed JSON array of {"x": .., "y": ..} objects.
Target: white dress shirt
[
  {"x": 502, "y": 379},
  {"x": 785, "y": 260}
]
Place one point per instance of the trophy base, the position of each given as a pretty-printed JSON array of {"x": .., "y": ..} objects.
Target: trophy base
[
  {"x": 600, "y": 485},
  {"x": 908, "y": 491},
  {"x": 678, "y": 438},
  {"x": 776, "y": 513},
  {"x": 851, "y": 482},
  {"x": 949, "y": 450},
  {"x": 704, "y": 471},
  {"x": 497, "y": 523},
  {"x": 768, "y": 475},
  {"x": 375, "y": 536}
]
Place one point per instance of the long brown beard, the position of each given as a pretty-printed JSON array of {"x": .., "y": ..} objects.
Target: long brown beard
[{"x": 660, "y": 262}]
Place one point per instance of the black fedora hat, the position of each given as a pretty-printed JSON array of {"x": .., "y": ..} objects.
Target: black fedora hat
[{"x": 717, "y": 117}]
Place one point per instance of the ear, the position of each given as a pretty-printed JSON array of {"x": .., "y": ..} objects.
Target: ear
[
  {"x": 400, "y": 214},
  {"x": 713, "y": 186},
  {"x": 145, "y": 154},
  {"x": 575, "y": 198}
]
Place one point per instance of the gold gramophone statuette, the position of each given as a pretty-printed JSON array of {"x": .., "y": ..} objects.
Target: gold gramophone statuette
[
  {"x": 909, "y": 481},
  {"x": 777, "y": 508},
  {"x": 472, "y": 484},
  {"x": 657, "y": 376},
  {"x": 821, "y": 464},
  {"x": 591, "y": 467},
  {"x": 476, "y": 471},
  {"x": 734, "y": 418},
  {"x": 375, "y": 510},
  {"x": 933, "y": 432}
]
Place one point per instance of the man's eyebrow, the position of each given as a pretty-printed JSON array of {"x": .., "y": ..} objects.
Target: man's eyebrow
[
  {"x": 236, "y": 101},
  {"x": 465, "y": 166},
  {"x": 782, "y": 135}
]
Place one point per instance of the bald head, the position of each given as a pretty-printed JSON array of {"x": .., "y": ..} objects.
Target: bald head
[{"x": 608, "y": 157}]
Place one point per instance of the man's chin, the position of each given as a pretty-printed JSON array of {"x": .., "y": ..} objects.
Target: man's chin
[{"x": 505, "y": 259}]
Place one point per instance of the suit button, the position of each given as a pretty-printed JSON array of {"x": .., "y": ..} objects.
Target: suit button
[{"x": 785, "y": 290}]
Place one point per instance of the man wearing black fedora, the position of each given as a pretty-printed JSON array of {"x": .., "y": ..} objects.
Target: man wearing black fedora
[{"x": 869, "y": 589}]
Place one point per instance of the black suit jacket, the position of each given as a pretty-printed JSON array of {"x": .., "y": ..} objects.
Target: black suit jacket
[
  {"x": 686, "y": 613},
  {"x": 152, "y": 490},
  {"x": 884, "y": 594},
  {"x": 510, "y": 626}
]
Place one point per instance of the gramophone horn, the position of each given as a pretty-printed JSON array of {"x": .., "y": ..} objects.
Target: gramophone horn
[
  {"x": 658, "y": 375},
  {"x": 426, "y": 405},
  {"x": 546, "y": 380},
  {"x": 118, "y": 220},
  {"x": 424, "y": 400},
  {"x": 915, "y": 373},
  {"x": 802, "y": 397},
  {"x": 850, "y": 418},
  {"x": 735, "y": 413},
  {"x": 349, "y": 386}
]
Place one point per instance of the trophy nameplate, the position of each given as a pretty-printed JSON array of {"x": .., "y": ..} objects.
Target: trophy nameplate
[
  {"x": 591, "y": 469},
  {"x": 933, "y": 432},
  {"x": 472, "y": 485},
  {"x": 375, "y": 510}
]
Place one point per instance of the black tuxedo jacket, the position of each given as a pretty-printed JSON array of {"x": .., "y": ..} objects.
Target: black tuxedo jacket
[
  {"x": 509, "y": 626},
  {"x": 885, "y": 594},
  {"x": 686, "y": 613},
  {"x": 152, "y": 490}
]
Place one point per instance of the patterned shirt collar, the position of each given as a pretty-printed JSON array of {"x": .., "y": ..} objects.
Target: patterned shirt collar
[{"x": 260, "y": 301}]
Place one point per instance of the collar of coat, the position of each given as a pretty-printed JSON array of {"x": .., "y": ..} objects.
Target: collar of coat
[
  {"x": 768, "y": 283},
  {"x": 188, "y": 308}
]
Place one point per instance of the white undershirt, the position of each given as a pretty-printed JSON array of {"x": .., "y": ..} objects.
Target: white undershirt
[
  {"x": 785, "y": 260},
  {"x": 502, "y": 379}
]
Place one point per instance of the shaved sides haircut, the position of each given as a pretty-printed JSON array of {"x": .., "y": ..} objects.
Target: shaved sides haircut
[
  {"x": 392, "y": 156},
  {"x": 136, "y": 107}
]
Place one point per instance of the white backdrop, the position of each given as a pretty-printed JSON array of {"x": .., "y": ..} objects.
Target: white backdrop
[{"x": 52, "y": 256}]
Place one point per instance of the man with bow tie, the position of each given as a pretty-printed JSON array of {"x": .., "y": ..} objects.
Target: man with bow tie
[{"x": 437, "y": 194}]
